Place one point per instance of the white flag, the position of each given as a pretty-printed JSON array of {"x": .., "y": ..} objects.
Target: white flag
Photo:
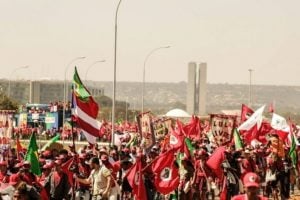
[
  {"x": 254, "y": 120},
  {"x": 279, "y": 123}
]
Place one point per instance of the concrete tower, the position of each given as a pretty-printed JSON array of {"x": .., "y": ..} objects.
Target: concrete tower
[
  {"x": 191, "y": 88},
  {"x": 196, "y": 89},
  {"x": 202, "y": 88}
]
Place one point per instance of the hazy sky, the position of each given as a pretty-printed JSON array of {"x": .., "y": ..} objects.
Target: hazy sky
[{"x": 230, "y": 35}]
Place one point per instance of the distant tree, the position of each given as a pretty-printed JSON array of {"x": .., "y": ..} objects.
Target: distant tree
[
  {"x": 105, "y": 104},
  {"x": 7, "y": 103}
]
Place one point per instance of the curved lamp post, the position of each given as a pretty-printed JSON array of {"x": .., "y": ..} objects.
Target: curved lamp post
[
  {"x": 89, "y": 67},
  {"x": 144, "y": 71}
]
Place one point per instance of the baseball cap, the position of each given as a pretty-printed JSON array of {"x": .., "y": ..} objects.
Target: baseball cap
[{"x": 251, "y": 180}]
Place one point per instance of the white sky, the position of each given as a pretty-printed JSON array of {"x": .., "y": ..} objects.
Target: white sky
[{"x": 230, "y": 35}]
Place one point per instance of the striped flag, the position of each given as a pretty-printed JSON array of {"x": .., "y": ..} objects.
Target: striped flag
[{"x": 85, "y": 110}]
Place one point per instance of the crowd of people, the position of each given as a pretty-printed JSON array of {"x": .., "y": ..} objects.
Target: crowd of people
[
  {"x": 184, "y": 162},
  {"x": 100, "y": 173}
]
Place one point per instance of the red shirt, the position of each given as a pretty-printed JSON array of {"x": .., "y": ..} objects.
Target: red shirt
[
  {"x": 244, "y": 197},
  {"x": 29, "y": 178},
  {"x": 4, "y": 178}
]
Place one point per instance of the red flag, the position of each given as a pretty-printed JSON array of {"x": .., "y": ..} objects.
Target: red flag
[
  {"x": 246, "y": 112},
  {"x": 166, "y": 173},
  {"x": 19, "y": 148},
  {"x": 135, "y": 179},
  {"x": 259, "y": 135},
  {"x": 193, "y": 128},
  {"x": 215, "y": 161},
  {"x": 176, "y": 139},
  {"x": 65, "y": 168}
]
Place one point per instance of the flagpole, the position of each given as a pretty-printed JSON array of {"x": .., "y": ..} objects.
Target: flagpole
[
  {"x": 144, "y": 71},
  {"x": 73, "y": 136}
]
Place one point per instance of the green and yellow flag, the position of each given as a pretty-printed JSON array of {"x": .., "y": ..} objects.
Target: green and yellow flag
[
  {"x": 48, "y": 144},
  {"x": 32, "y": 155}
]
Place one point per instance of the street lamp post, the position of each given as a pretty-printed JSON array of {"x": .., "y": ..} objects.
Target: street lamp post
[
  {"x": 88, "y": 69},
  {"x": 65, "y": 85},
  {"x": 250, "y": 86},
  {"x": 12, "y": 73},
  {"x": 114, "y": 82},
  {"x": 144, "y": 71}
]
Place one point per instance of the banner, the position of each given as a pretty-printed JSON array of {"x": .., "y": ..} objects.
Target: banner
[
  {"x": 222, "y": 127},
  {"x": 146, "y": 130},
  {"x": 161, "y": 127},
  {"x": 51, "y": 120}
]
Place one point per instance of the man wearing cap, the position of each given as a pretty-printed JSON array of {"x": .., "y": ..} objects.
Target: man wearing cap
[
  {"x": 251, "y": 184},
  {"x": 15, "y": 182},
  {"x": 26, "y": 175},
  {"x": 114, "y": 169},
  {"x": 57, "y": 183},
  {"x": 247, "y": 163},
  {"x": 46, "y": 171},
  {"x": 83, "y": 190},
  {"x": 99, "y": 179}
]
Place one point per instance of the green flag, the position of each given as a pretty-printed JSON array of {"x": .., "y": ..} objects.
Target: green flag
[
  {"x": 32, "y": 155},
  {"x": 238, "y": 143},
  {"x": 189, "y": 147},
  {"x": 80, "y": 91},
  {"x": 54, "y": 139},
  {"x": 292, "y": 152}
]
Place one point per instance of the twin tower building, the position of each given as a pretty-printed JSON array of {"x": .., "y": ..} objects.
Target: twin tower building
[{"x": 196, "y": 89}]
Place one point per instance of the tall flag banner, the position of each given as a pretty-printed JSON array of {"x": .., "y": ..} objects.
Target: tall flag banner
[
  {"x": 135, "y": 180},
  {"x": 85, "y": 110},
  {"x": 252, "y": 125},
  {"x": 166, "y": 173},
  {"x": 146, "y": 130},
  {"x": 281, "y": 126},
  {"x": 32, "y": 155},
  {"x": 238, "y": 143},
  {"x": 222, "y": 127},
  {"x": 246, "y": 112},
  {"x": 54, "y": 139}
]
